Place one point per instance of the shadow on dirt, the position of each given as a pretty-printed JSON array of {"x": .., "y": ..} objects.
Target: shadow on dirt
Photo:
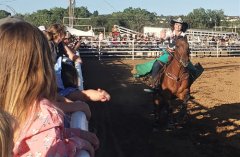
[
  {"x": 223, "y": 67},
  {"x": 125, "y": 129}
]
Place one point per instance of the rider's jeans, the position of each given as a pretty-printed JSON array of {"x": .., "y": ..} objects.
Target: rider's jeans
[{"x": 157, "y": 65}]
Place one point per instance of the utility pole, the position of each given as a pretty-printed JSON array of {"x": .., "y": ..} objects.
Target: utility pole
[
  {"x": 215, "y": 25},
  {"x": 71, "y": 12},
  {"x": 11, "y": 8}
]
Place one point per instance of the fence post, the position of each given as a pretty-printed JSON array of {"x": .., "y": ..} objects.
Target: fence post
[
  {"x": 99, "y": 50},
  {"x": 217, "y": 49},
  {"x": 133, "y": 49}
]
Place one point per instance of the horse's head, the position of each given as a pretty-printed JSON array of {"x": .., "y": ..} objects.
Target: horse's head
[{"x": 182, "y": 51}]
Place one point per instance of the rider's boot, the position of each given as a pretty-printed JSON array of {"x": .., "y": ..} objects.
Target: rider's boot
[
  {"x": 199, "y": 68},
  {"x": 195, "y": 71},
  {"x": 155, "y": 73}
]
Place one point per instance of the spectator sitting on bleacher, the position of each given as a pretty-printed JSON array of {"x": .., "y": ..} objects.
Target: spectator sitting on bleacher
[
  {"x": 74, "y": 44},
  {"x": 58, "y": 33}
]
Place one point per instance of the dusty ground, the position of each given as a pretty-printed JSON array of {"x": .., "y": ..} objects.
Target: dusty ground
[{"x": 125, "y": 129}]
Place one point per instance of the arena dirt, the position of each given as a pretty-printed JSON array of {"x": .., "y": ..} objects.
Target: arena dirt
[{"x": 124, "y": 125}]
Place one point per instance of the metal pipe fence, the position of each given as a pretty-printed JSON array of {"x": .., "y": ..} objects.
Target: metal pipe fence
[{"x": 151, "y": 49}]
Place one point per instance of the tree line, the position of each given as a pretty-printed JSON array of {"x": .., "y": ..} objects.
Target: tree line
[{"x": 132, "y": 18}]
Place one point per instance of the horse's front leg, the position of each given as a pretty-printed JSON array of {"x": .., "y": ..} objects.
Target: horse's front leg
[
  {"x": 184, "y": 95},
  {"x": 183, "y": 99},
  {"x": 183, "y": 91}
]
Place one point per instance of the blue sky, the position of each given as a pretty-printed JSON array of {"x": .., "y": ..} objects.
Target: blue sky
[{"x": 161, "y": 7}]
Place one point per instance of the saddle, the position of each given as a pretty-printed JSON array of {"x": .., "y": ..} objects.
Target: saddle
[{"x": 156, "y": 82}]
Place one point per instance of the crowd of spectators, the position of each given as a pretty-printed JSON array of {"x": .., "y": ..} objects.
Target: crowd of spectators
[{"x": 150, "y": 40}]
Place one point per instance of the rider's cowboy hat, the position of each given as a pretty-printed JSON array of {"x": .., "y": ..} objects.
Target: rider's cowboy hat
[
  {"x": 185, "y": 25},
  {"x": 178, "y": 20}
]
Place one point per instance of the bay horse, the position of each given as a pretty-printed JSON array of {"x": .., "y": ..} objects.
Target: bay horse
[{"x": 173, "y": 84}]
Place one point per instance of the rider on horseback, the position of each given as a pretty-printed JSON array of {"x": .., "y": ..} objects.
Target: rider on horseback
[{"x": 178, "y": 29}]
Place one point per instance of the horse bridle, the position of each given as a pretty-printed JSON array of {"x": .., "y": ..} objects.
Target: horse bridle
[
  {"x": 179, "y": 59},
  {"x": 181, "y": 63}
]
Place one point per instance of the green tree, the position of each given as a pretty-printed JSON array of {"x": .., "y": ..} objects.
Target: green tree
[
  {"x": 95, "y": 13},
  {"x": 46, "y": 17},
  {"x": 82, "y": 12},
  {"x": 138, "y": 18},
  {"x": 197, "y": 18},
  {"x": 57, "y": 15},
  {"x": 4, "y": 13},
  {"x": 216, "y": 18},
  {"x": 201, "y": 18}
]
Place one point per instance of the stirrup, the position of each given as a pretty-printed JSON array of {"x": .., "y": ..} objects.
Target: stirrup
[{"x": 136, "y": 75}]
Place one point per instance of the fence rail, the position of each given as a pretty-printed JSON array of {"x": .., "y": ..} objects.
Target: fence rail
[{"x": 146, "y": 49}]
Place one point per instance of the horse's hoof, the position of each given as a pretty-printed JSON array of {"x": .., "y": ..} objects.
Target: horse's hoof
[
  {"x": 155, "y": 130},
  {"x": 179, "y": 127},
  {"x": 155, "y": 125},
  {"x": 153, "y": 116},
  {"x": 169, "y": 128},
  {"x": 148, "y": 90}
]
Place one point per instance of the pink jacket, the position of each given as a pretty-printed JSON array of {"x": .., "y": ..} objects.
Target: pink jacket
[{"x": 44, "y": 136}]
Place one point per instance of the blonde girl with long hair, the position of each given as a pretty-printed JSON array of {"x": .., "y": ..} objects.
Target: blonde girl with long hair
[
  {"x": 28, "y": 93},
  {"x": 6, "y": 134}
]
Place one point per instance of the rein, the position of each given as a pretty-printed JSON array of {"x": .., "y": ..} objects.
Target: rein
[
  {"x": 180, "y": 64},
  {"x": 179, "y": 59},
  {"x": 175, "y": 78}
]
